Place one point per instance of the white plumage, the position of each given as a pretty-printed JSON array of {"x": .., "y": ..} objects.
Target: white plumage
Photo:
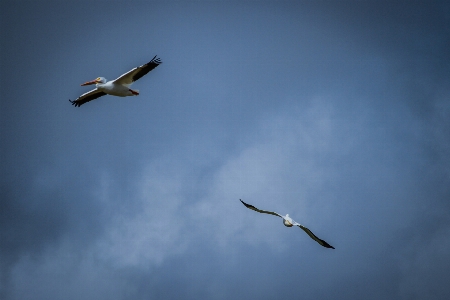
[{"x": 118, "y": 87}]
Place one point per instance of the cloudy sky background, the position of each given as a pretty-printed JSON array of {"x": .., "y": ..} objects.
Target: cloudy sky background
[{"x": 337, "y": 113}]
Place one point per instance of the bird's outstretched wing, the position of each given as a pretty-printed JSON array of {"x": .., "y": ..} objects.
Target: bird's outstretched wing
[
  {"x": 314, "y": 237},
  {"x": 261, "y": 211},
  {"x": 136, "y": 73},
  {"x": 86, "y": 97}
]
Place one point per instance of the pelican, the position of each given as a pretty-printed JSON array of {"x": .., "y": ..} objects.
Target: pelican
[
  {"x": 288, "y": 222},
  {"x": 118, "y": 87}
]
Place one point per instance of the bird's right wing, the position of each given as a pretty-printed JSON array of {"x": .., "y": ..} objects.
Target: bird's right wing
[
  {"x": 86, "y": 97},
  {"x": 136, "y": 73},
  {"x": 260, "y": 210},
  {"x": 314, "y": 237}
]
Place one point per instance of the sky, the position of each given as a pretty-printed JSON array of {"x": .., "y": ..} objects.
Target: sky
[{"x": 335, "y": 112}]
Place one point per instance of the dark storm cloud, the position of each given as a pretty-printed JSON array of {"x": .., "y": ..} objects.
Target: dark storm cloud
[
  {"x": 334, "y": 112},
  {"x": 36, "y": 215},
  {"x": 412, "y": 36}
]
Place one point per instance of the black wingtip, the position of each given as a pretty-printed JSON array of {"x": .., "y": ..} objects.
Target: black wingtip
[
  {"x": 156, "y": 60},
  {"x": 74, "y": 103},
  {"x": 326, "y": 245},
  {"x": 247, "y": 205}
]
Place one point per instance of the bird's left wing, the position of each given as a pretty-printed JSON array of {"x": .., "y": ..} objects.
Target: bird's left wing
[
  {"x": 260, "y": 210},
  {"x": 313, "y": 236},
  {"x": 86, "y": 97},
  {"x": 136, "y": 73}
]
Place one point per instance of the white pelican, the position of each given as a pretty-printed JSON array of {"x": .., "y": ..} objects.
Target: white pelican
[
  {"x": 118, "y": 87},
  {"x": 288, "y": 222}
]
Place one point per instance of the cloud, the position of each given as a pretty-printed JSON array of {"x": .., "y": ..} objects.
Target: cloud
[
  {"x": 336, "y": 114},
  {"x": 149, "y": 232},
  {"x": 278, "y": 169},
  {"x": 424, "y": 265}
]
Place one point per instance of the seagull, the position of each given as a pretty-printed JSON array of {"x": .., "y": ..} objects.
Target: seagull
[
  {"x": 118, "y": 87},
  {"x": 288, "y": 222}
]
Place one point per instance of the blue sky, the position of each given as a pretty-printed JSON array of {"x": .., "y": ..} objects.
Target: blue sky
[{"x": 334, "y": 112}]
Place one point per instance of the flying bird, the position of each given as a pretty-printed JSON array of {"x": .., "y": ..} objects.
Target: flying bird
[
  {"x": 288, "y": 222},
  {"x": 118, "y": 87}
]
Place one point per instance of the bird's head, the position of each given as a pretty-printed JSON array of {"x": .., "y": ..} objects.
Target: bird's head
[{"x": 95, "y": 81}]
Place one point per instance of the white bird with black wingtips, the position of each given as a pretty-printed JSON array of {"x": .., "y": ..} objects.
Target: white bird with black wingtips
[
  {"x": 118, "y": 87},
  {"x": 288, "y": 222}
]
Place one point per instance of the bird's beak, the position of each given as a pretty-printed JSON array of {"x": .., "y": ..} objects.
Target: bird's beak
[{"x": 90, "y": 82}]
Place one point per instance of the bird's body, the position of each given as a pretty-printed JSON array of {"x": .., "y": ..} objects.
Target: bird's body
[
  {"x": 289, "y": 222},
  {"x": 118, "y": 87},
  {"x": 113, "y": 89}
]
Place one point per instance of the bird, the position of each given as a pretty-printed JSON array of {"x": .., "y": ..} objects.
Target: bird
[
  {"x": 288, "y": 222},
  {"x": 118, "y": 87}
]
